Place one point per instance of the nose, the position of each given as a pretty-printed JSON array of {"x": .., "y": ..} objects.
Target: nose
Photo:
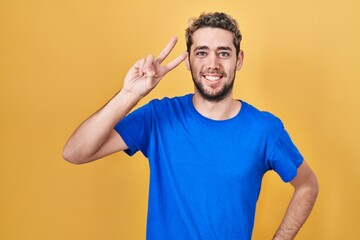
[{"x": 213, "y": 62}]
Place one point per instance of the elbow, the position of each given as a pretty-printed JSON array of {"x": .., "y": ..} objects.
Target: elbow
[
  {"x": 315, "y": 188},
  {"x": 312, "y": 189},
  {"x": 71, "y": 156},
  {"x": 306, "y": 182},
  {"x": 307, "y": 188}
]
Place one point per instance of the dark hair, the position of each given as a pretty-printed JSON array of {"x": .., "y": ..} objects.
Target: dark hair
[{"x": 214, "y": 20}]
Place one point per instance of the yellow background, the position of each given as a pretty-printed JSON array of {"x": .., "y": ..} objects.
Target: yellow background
[{"x": 61, "y": 60}]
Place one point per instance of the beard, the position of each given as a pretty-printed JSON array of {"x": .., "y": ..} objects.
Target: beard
[{"x": 216, "y": 96}]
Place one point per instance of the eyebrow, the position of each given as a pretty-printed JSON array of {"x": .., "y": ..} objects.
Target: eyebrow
[
  {"x": 201, "y": 48},
  {"x": 225, "y": 48},
  {"x": 218, "y": 48}
]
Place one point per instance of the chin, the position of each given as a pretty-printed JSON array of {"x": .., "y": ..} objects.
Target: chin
[{"x": 215, "y": 97}]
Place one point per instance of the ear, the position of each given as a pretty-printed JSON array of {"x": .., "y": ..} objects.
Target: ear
[
  {"x": 240, "y": 60},
  {"x": 187, "y": 63}
]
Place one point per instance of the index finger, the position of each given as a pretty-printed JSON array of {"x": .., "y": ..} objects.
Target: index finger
[
  {"x": 167, "y": 50},
  {"x": 174, "y": 63}
]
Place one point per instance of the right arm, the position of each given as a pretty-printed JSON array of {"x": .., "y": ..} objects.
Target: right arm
[{"x": 96, "y": 137}]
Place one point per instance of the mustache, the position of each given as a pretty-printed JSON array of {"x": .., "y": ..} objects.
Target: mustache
[{"x": 219, "y": 72}]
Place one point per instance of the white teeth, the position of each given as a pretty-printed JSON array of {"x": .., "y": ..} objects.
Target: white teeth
[{"x": 212, "y": 78}]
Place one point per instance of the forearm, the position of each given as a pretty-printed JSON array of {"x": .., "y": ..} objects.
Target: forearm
[
  {"x": 95, "y": 137},
  {"x": 298, "y": 211},
  {"x": 93, "y": 132}
]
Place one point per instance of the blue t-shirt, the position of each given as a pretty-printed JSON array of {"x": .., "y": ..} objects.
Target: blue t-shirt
[{"x": 205, "y": 175}]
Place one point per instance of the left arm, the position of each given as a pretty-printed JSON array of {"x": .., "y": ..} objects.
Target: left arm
[{"x": 301, "y": 204}]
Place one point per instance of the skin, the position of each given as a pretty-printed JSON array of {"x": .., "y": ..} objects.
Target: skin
[
  {"x": 306, "y": 190},
  {"x": 95, "y": 137},
  {"x": 213, "y": 63}
]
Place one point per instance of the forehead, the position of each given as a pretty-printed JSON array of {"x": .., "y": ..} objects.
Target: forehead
[{"x": 212, "y": 38}]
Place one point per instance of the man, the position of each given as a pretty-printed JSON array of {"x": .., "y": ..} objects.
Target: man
[{"x": 207, "y": 151}]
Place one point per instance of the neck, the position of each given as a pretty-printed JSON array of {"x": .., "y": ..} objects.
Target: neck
[{"x": 222, "y": 110}]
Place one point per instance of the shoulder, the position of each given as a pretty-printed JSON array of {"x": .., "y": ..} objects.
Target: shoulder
[
  {"x": 262, "y": 119},
  {"x": 172, "y": 102},
  {"x": 175, "y": 99}
]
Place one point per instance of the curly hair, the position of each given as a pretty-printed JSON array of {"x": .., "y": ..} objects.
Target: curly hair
[{"x": 214, "y": 20}]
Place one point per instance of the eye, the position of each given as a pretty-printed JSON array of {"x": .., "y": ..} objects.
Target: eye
[
  {"x": 201, "y": 53},
  {"x": 224, "y": 54}
]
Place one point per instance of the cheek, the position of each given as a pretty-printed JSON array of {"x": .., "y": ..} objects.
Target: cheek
[
  {"x": 232, "y": 67},
  {"x": 195, "y": 66}
]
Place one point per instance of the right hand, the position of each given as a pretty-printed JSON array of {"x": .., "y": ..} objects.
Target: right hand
[{"x": 147, "y": 73}]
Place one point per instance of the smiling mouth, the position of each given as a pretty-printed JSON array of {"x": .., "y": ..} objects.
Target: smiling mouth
[{"x": 212, "y": 78}]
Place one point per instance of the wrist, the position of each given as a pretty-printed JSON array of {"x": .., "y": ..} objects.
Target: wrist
[
  {"x": 279, "y": 235},
  {"x": 120, "y": 105},
  {"x": 278, "y": 238},
  {"x": 128, "y": 96}
]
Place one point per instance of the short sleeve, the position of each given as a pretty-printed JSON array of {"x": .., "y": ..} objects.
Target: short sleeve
[
  {"x": 135, "y": 130},
  {"x": 285, "y": 158}
]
